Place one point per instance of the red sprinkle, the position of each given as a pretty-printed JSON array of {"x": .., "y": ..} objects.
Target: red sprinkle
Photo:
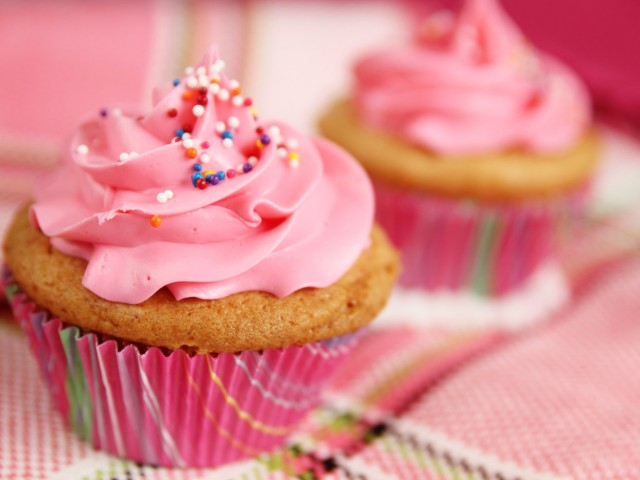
[
  {"x": 172, "y": 112},
  {"x": 201, "y": 183},
  {"x": 205, "y": 144},
  {"x": 231, "y": 173},
  {"x": 248, "y": 102}
]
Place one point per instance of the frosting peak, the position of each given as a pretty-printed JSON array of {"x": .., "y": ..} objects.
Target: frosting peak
[
  {"x": 472, "y": 84},
  {"x": 202, "y": 197}
]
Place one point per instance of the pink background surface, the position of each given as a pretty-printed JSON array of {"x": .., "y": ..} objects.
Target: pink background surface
[
  {"x": 57, "y": 63},
  {"x": 62, "y": 60}
]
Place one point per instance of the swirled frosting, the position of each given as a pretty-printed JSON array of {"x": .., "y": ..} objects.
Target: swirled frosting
[
  {"x": 471, "y": 84},
  {"x": 201, "y": 197}
]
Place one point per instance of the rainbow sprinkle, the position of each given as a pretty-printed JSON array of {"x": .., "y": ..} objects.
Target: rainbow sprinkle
[{"x": 200, "y": 89}]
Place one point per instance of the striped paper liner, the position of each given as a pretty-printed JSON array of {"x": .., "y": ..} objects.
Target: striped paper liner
[
  {"x": 456, "y": 244},
  {"x": 175, "y": 410}
]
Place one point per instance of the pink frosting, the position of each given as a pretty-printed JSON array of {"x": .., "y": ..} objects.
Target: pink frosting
[
  {"x": 472, "y": 84},
  {"x": 299, "y": 218}
]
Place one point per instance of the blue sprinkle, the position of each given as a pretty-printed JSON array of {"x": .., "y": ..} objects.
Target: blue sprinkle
[
  {"x": 246, "y": 168},
  {"x": 209, "y": 178},
  {"x": 176, "y": 82},
  {"x": 180, "y": 132},
  {"x": 197, "y": 167},
  {"x": 227, "y": 134},
  {"x": 221, "y": 175},
  {"x": 195, "y": 177}
]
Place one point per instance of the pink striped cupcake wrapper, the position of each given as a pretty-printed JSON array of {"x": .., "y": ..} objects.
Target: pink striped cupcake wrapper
[
  {"x": 174, "y": 409},
  {"x": 455, "y": 244}
]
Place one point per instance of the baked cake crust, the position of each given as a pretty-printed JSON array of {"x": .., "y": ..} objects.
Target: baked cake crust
[
  {"x": 511, "y": 175},
  {"x": 244, "y": 321}
]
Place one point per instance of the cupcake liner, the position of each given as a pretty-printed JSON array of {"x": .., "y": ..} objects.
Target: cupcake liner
[
  {"x": 456, "y": 244},
  {"x": 4, "y": 304},
  {"x": 175, "y": 409}
]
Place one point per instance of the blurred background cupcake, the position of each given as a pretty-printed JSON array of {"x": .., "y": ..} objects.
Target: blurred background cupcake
[{"x": 480, "y": 148}]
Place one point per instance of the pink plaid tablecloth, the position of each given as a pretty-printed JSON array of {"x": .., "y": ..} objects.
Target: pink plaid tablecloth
[{"x": 432, "y": 400}]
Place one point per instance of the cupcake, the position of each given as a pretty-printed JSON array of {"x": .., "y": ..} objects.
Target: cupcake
[
  {"x": 191, "y": 277},
  {"x": 479, "y": 147}
]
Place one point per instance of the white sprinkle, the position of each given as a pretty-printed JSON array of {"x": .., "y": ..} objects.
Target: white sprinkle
[
  {"x": 253, "y": 161},
  {"x": 205, "y": 158},
  {"x": 238, "y": 100},
  {"x": 233, "y": 122},
  {"x": 223, "y": 95},
  {"x": 294, "y": 163},
  {"x": 192, "y": 82},
  {"x": 227, "y": 142},
  {"x": 188, "y": 71},
  {"x": 234, "y": 84},
  {"x": 124, "y": 156},
  {"x": 292, "y": 143},
  {"x": 162, "y": 197},
  {"x": 282, "y": 152},
  {"x": 274, "y": 131},
  {"x": 220, "y": 127},
  {"x": 188, "y": 143},
  {"x": 203, "y": 81},
  {"x": 186, "y": 136},
  {"x": 169, "y": 193},
  {"x": 82, "y": 149},
  {"x": 214, "y": 88},
  {"x": 218, "y": 66},
  {"x": 240, "y": 169},
  {"x": 116, "y": 112},
  {"x": 198, "y": 110},
  {"x": 201, "y": 71},
  {"x": 133, "y": 154}
]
